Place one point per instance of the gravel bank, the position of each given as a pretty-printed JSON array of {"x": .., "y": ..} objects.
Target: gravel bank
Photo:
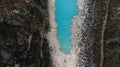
[{"x": 81, "y": 37}]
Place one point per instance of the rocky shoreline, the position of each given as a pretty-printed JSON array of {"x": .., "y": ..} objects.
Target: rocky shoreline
[
  {"x": 79, "y": 28},
  {"x": 28, "y": 34}
]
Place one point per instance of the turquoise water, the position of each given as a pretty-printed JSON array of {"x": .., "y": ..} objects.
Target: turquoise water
[{"x": 65, "y": 10}]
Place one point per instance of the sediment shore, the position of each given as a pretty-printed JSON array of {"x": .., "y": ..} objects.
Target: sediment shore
[{"x": 81, "y": 37}]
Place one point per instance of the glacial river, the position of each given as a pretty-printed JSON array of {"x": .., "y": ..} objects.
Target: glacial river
[{"x": 65, "y": 10}]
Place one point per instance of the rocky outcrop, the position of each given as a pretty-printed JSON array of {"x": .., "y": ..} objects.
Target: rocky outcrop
[
  {"x": 23, "y": 28},
  {"x": 111, "y": 35},
  {"x": 25, "y": 23}
]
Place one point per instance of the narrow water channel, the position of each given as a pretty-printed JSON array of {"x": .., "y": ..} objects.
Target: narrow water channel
[{"x": 65, "y": 10}]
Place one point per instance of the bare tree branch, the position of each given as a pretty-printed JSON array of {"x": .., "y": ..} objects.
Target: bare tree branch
[{"x": 103, "y": 33}]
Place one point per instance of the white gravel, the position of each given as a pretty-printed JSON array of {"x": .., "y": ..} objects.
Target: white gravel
[{"x": 77, "y": 56}]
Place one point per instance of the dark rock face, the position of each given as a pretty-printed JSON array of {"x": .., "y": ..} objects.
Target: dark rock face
[
  {"x": 23, "y": 28},
  {"x": 112, "y": 33}
]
